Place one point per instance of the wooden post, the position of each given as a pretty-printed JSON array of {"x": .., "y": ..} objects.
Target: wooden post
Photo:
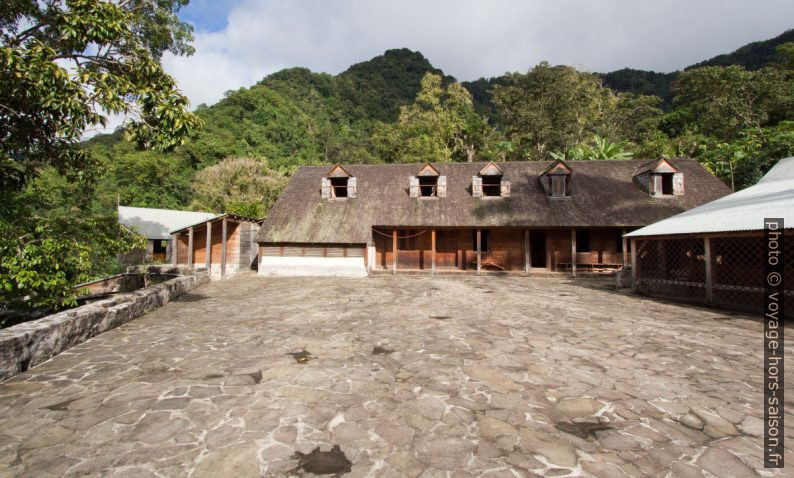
[
  {"x": 394, "y": 251},
  {"x": 223, "y": 247},
  {"x": 190, "y": 247},
  {"x": 433, "y": 253},
  {"x": 634, "y": 264},
  {"x": 208, "y": 251},
  {"x": 625, "y": 247},
  {"x": 479, "y": 250},
  {"x": 174, "y": 255},
  {"x": 527, "y": 250},
  {"x": 709, "y": 283},
  {"x": 573, "y": 252}
]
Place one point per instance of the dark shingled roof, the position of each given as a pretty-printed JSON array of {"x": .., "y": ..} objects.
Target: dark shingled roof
[{"x": 603, "y": 194}]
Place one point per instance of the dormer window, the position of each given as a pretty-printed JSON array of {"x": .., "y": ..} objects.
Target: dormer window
[
  {"x": 662, "y": 184},
  {"x": 339, "y": 187},
  {"x": 428, "y": 183},
  {"x": 428, "y": 186},
  {"x": 338, "y": 184},
  {"x": 660, "y": 179},
  {"x": 556, "y": 179},
  {"x": 560, "y": 185},
  {"x": 490, "y": 183}
]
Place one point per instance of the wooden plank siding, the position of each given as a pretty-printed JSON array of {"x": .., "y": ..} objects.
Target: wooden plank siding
[
  {"x": 504, "y": 251},
  {"x": 241, "y": 247},
  {"x": 313, "y": 250}
]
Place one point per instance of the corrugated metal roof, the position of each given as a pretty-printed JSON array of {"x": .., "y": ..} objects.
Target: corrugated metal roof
[
  {"x": 158, "y": 223},
  {"x": 745, "y": 210}
]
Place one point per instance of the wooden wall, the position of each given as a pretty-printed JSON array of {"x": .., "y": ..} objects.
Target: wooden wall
[
  {"x": 181, "y": 250},
  {"x": 240, "y": 248},
  {"x": 456, "y": 249}
]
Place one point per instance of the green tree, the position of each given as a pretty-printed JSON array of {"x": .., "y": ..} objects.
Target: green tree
[
  {"x": 112, "y": 53},
  {"x": 785, "y": 56},
  {"x": 63, "y": 67},
  {"x": 632, "y": 117},
  {"x": 243, "y": 186},
  {"x": 724, "y": 101},
  {"x": 440, "y": 126},
  {"x": 597, "y": 148},
  {"x": 741, "y": 163},
  {"x": 550, "y": 108},
  {"x": 145, "y": 179}
]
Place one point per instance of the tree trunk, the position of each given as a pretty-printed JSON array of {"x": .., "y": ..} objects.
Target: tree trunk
[{"x": 471, "y": 150}]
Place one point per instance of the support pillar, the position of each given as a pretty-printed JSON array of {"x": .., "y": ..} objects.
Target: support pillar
[
  {"x": 190, "y": 247},
  {"x": 573, "y": 252},
  {"x": 223, "y": 247},
  {"x": 433, "y": 253},
  {"x": 394, "y": 251},
  {"x": 527, "y": 251},
  {"x": 479, "y": 250},
  {"x": 634, "y": 264},
  {"x": 625, "y": 248},
  {"x": 709, "y": 263},
  {"x": 208, "y": 251},
  {"x": 174, "y": 249}
]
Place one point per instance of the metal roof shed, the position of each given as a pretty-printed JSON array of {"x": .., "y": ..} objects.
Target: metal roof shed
[{"x": 715, "y": 253}]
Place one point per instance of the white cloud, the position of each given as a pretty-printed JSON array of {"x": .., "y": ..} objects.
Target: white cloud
[{"x": 470, "y": 38}]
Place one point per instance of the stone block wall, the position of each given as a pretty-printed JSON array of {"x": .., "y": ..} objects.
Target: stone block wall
[{"x": 26, "y": 345}]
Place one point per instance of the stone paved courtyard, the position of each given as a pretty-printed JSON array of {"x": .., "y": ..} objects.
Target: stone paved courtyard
[{"x": 409, "y": 376}]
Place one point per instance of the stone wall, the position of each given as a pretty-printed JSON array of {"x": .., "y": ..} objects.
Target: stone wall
[{"x": 28, "y": 344}]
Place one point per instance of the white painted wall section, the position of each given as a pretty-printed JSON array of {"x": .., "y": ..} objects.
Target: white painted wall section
[
  {"x": 312, "y": 266},
  {"x": 370, "y": 257}
]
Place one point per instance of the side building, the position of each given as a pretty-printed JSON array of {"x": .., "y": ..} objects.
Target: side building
[
  {"x": 511, "y": 217},
  {"x": 156, "y": 225},
  {"x": 224, "y": 244},
  {"x": 716, "y": 253}
]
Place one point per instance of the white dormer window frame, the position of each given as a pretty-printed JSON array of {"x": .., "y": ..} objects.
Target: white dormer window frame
[
  {"x": 429, "y": 183},
  {"x": 338, "y": 184},
  {"x": 490, "y": 183},
  {"x": 664, "y": 180}
]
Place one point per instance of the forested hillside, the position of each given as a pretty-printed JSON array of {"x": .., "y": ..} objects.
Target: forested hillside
[{"x": 397, "y": 107}]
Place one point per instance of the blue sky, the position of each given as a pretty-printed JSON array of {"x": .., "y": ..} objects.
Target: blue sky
[
  {"x": 238, "y": 42},
  {"x": 208, "y": 15}
]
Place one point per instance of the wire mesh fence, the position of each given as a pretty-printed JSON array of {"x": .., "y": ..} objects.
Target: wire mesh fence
[
  {"x": 677, "y": 268},
  {"x": 738, "y": 265},
  {"x": 672, "y": 268}
]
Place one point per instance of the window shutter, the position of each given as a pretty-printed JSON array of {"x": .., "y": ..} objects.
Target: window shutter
[
  {"x": 414, "y": 189},
  {"x": 678, "y": 184},
  {"x": 655, "y": 185},
  {"x": 351, "y": 187},
  {"x": 476, "y": 186},
  {"x": 505, "y": 189},
  {"x": 442, "y": 187},
  {"x": 326, "y": 188},
  {"x": 557, "y": 185}
]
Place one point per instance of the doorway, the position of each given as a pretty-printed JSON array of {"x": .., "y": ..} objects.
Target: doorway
[{"x": 537, "y": 240}]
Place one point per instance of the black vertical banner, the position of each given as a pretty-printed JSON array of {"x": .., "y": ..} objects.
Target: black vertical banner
[{"x": 773, "y": 343}]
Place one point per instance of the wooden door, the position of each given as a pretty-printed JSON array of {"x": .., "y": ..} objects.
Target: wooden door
[{"x": 446, "y": 252}]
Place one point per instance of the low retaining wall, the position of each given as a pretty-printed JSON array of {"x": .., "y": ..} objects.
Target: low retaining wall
[{"x": 26, "y": 345}]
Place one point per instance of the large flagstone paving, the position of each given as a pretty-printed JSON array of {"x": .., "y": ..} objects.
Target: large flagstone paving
[{"x": 409, "y": 376}]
